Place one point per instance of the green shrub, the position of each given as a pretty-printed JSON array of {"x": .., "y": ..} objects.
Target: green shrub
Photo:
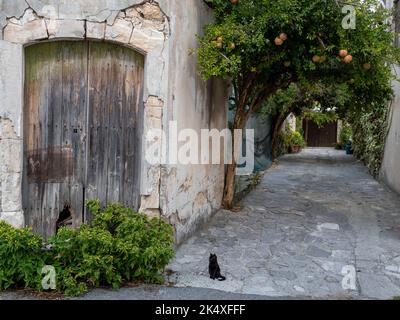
[
  {"x": 118, "y": 246},
  {"x": 370, "y": 130},
  {"x": 297, "y": 140},
  {"x": 84, "y": 257},
  {"x": 344, "y": 136},
  {"x": 289, "y": 138},
  {"x": 21, "y": 258},
  {"x": 284, "y": 141},
  {"x": 320, "y": 118}
]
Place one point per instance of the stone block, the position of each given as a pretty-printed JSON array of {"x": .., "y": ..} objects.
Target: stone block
[
  {"x": 153, "y": 118},
  {"x": 153, "y": 101},
  {"x": 146, "y": 40},
  {"x": 120, "y": 31},
  {"x": 10, "y": 192},
  {"x": 66, "y": 29},
  {"x": 151, "y": 11},
  {"x": 95, "y": 30},
  {"x": 26, "y": 29}
]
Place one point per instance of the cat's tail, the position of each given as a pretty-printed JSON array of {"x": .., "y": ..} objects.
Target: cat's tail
[{"x": 221, "y": 278}]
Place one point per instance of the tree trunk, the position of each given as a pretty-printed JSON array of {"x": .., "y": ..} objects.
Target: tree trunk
[
  {"x": 229, "y": 191},
  {"x": 241, "y": 118},
  {"x": 277, "y": 129}
]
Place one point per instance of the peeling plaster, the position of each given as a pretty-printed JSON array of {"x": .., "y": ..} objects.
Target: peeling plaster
[
  {"x": 143, "y": 26},
  {"x": 150, "y": 200},
  {"x": 163, "y": 31},
  {"x": 10, "y": 174}
]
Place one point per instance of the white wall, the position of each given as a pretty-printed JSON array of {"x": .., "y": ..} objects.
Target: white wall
[
  {"x": 184, "y": 195},
  {"x": 390, "y": 171},
  {"x": 190, "y": 194}
]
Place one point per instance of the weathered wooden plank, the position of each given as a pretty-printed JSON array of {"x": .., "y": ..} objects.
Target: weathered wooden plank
[
  {"x": 55, "y": 106},
  {"x": 53, "y": 155},
  {"x": 74, "y": 98},
  {"x": 98, "y": 109},
  {"x": 133, "y": 99},
  {"x": 39, "y": 66},
  {"x": 112, "y": 175},
  {"x": 115, "y": 110}
]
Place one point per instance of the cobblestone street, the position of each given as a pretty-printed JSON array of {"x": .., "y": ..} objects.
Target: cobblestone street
[{"x": 315, "y": 216}]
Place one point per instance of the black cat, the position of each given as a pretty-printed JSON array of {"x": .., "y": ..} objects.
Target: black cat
[{"x": 214, "y": 269}]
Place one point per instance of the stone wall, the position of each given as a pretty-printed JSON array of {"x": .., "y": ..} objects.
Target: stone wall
[
  {"x": 11, "y": 84},
  {"x": 163, "y": 31},
  {"x": 190, "y": 194},
  {"x": 390, "y": 171}
]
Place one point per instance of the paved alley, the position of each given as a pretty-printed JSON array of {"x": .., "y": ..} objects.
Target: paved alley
[{"x": 317, "y": 226}]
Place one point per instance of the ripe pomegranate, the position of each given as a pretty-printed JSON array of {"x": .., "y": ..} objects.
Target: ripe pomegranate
[
  {"x": 278, "y": 41},
  {"x": 234, "y": 1},
  {"x": 343, "y": 53},
  {"x": 348, "y": 59},
  {"x": 316, "y": 58},
  {"x": 283, "y": 36},
  {"x": 367, "y": 66}
]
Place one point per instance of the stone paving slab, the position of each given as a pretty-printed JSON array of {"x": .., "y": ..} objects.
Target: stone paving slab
[
  {"x": 315, "y": 216},
  {"x": 145, "y": 292}
]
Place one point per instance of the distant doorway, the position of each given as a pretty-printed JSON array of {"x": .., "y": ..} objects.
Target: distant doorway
[{"x": 325, "y": 136}]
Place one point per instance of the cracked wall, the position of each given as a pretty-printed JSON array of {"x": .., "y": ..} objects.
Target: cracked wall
[
  {"x": 390, "y": 171},
  {"x": 143, "y": 27},
  {"x": 191, "y": 194},
  {"x": 11, "y": 84},
  {"x": 163, "y": 31}
]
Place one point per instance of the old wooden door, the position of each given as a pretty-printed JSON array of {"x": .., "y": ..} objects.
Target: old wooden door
[
  {"x": 316, "y": 136},
  {"x": 82, "y": 102}
]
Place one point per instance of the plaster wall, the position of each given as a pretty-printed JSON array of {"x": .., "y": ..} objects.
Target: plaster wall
[
  {"x": 163, "y": 31},
  {"x": 390, "y": 171}
]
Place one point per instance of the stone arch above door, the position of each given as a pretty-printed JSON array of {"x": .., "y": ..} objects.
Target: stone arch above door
[{"x": 143, "y": 27}]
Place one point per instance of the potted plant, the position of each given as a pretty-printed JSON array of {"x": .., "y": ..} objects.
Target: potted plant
[{"x": 297, "y": 142}]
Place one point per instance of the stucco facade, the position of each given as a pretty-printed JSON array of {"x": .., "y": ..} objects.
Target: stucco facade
[
  {"x": 390, "y": 171},
  {"x": 163, "y": 32}
]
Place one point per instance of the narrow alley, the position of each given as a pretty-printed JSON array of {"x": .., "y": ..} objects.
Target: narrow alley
[{"x": 319, "y": 225}]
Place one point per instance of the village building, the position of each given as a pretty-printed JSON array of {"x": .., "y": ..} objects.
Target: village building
[{"x": 81, "y": 84}]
